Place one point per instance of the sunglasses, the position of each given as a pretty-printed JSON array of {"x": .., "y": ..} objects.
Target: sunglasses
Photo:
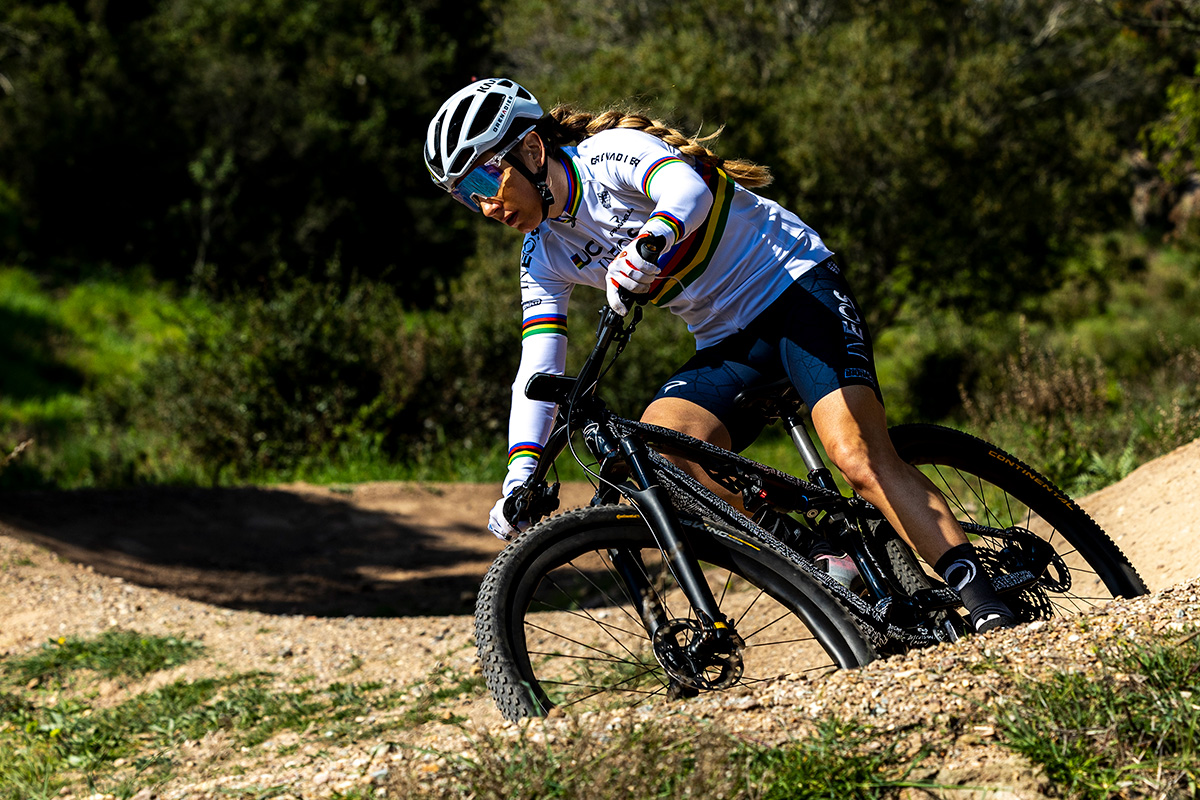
[{"x": 483, "y": 182}]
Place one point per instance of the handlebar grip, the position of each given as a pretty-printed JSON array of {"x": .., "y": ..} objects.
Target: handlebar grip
[{"x": 649, "y": 248}]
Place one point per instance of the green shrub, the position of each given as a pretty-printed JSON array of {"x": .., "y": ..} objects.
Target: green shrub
[
  {"x": 68, "y": 349},
  {"x": 284, "y": 380}
]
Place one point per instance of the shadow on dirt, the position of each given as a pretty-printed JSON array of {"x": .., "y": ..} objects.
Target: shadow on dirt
[{"x": 271, "y": 550}]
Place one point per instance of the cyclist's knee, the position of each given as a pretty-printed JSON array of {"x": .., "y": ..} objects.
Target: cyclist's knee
[
  {"x": 859, "y": 470},
  {"x": 868, "y": 469}
]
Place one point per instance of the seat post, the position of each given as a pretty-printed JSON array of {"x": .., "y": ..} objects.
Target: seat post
[{"x": 818, "y": 473}]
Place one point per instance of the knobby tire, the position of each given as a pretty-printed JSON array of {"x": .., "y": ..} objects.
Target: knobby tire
[
  {"x": 554, "y": 627},
  {"x": 986, "y": 485}
]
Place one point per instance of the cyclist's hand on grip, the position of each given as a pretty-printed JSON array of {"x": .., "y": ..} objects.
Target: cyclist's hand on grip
[
  {"x": 634, "y": 270},
  {"x": 498, "y": 521}
]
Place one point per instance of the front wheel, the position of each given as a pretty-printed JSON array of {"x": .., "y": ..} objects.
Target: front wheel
[
  {"x": 556, "y": 626},
  {"x": 1011, "y": 513}
]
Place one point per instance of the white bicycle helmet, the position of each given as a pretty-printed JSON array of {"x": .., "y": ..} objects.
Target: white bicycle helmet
[{"x": 484, "y": 116}]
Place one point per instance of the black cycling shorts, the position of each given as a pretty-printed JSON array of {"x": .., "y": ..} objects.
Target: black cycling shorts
[{"x": 813, "y": 334}]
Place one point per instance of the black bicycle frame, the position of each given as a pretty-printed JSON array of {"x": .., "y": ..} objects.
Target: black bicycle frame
[{"x": 658, "y": 487}]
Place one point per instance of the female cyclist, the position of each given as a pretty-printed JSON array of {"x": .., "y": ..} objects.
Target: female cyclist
[{"x": 756, "y": 286}]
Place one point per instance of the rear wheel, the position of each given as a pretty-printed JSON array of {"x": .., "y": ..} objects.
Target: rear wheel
[
  {"x": 1011, "y": 513},
  {"x": 555, "y": 625}
]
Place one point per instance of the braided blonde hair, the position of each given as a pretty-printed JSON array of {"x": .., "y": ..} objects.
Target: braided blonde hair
[{"x": 564, "y": 125}]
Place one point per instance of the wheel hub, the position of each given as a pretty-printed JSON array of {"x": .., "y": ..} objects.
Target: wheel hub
[{"x": 697, "y": 658}]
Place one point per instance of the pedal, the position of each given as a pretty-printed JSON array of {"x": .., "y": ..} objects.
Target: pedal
[{"x": 1011, "y": 582}]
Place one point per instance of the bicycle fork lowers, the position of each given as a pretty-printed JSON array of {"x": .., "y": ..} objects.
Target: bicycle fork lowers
[{"x": 701, "y": 652}]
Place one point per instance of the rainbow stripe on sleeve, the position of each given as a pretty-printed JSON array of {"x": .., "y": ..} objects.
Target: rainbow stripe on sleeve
[
  {"x": 673, "y": 222},
  {"x": 544, "y": 323},
  {"x": 524, "y": 450},
  {"x": 690, "y": 257},
  {"x": 655, "y": 167}
]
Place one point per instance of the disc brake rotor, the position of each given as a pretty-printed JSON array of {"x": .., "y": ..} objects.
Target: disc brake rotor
[{"x": 698, "y": 658}]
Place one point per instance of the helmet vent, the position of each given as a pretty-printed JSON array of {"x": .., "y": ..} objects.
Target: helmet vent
[
  {"x": 524, "y": 95},
  {"x": 433, "y": 155},
  {"x": 460, "y": 162},
  {"x": 486, "y": 114},
  {"x": 456, "y": 124}
]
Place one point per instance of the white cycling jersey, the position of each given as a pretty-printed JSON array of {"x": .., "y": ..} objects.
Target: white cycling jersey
[{"x": 729, "y": 254}]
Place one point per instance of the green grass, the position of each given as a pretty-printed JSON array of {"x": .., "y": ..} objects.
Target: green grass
[
  {"x": 841, "y": 759},
  {"x": 655, "y": 759},
  {"x": 1131, "y": 730},
  {"x": 112, "y": 654},
  {"x": 54, "y": 735}
]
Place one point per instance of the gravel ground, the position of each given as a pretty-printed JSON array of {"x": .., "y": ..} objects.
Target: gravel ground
[{"x": 942, "y": 696}]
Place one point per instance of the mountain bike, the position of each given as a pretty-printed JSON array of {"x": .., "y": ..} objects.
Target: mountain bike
[{"x": 661, "y": 589}]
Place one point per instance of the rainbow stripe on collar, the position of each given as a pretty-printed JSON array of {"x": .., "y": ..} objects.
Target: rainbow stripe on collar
[{"x": 574, "y": 191}]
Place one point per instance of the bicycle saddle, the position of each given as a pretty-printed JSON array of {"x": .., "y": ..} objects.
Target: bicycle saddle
[{"x": 773, "y": 400}]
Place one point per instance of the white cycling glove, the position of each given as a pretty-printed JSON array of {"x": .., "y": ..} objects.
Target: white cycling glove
[
  {"x": 631, "y": 272},
  {"x": 500, "y": 526}
]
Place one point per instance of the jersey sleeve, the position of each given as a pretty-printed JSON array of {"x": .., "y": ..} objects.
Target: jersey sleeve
[
  {"x": 544, "y": 303},
  {"x": 647, "y": 165},
  {"x": 681, "y": 199}
]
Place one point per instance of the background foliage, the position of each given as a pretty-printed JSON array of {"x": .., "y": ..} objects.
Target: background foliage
[{"x": 225, "y": 261}]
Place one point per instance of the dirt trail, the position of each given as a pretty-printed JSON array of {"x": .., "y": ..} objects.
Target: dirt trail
[{"x": 400, "y": 549}]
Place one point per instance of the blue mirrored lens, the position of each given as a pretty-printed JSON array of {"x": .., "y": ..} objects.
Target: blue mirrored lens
[{"x": 482, "y": 182}]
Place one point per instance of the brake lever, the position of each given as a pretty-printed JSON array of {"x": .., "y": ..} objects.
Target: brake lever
[{"x": 531, "y": 503}]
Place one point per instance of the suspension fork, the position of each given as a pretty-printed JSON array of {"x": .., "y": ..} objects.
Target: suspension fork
[
  {"x": 655, "y": 506},
  {"x": 632, "y": 571}
]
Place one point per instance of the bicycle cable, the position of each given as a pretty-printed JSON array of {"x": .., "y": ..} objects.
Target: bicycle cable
[{"x": 621, "y": 341}]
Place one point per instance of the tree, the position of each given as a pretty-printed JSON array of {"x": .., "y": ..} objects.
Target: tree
[
  {"x": 215, "y": 139},
  {"x": 949, "y": 150}
]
